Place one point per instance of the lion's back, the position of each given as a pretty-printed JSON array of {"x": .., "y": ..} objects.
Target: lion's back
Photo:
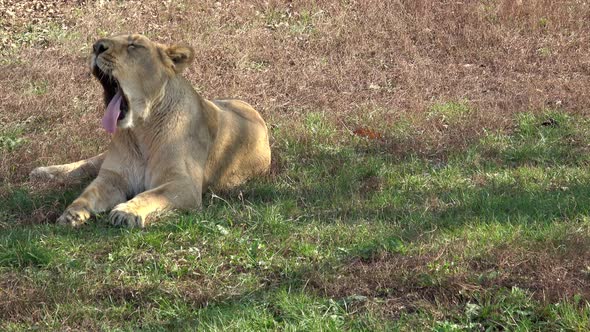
[{"x": 241, "y": 149}]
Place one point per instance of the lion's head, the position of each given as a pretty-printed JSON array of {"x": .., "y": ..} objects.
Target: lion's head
[{"x": 134, "y": 72}]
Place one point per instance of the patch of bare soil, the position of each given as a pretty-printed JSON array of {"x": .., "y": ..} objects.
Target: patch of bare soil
[
  {"x": 402, "y": 283},
  {"x": 405, "y": 283},
  {"x": 19, "y": 301},
  {"x": 551, "y": 277}
]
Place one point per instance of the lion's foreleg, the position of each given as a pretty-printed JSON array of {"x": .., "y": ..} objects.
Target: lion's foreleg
[
  {"x": 178, "y": 194},
  {"x": 106, "y": 191},
  {"x": 72, "y": 172}
]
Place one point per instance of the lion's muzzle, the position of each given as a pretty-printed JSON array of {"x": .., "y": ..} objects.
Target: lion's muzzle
[{"x": 100, "y": 46}]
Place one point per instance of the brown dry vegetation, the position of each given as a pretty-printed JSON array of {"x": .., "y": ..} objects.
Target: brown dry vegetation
[{"x": 394, "y": 59}]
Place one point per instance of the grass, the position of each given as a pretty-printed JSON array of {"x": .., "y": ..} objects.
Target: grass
[
  {"x": 39, "y": 88},
  {"x": 478, "y": 242},
  {"x": 11, "y": 139},
  {"x": 41, "y": 34},
  {"x": 424, "y": 178}
]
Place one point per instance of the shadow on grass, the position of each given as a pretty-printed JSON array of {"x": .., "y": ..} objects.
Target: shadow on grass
[
  {"x": 24, "y": 206},
  {"x": 328, "y": 185},
  {"x": 364, "y": 188}
]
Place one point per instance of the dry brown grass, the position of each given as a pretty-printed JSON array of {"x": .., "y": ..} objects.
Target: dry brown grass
[
  {"x": 287, "y": 58},
  {"x": 394, "y": 58}
]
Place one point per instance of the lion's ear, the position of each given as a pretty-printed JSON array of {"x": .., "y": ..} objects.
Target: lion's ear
[{"x": 181, "y": 56}]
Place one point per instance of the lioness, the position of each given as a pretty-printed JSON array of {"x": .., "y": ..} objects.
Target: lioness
[{"x": 169, "y": 144}]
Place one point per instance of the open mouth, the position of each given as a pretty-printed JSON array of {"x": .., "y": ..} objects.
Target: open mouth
[{"x": 117, "y": 104}]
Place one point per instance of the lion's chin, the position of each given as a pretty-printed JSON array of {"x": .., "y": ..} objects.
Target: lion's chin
[{"x": 126, "y": 121}]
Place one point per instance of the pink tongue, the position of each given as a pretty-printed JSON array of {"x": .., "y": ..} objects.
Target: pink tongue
[{"x": 109, "y": 120}]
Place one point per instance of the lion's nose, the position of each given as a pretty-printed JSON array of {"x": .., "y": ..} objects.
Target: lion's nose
[{"x": 100, "y": 46}]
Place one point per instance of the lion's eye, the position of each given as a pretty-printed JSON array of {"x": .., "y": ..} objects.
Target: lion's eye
[{"x": 134, "y": 46}]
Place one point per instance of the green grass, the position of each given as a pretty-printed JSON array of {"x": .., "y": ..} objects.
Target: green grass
[
  {"x": 39, "y": 87},
  {"x": 446, "y": 245},
  {"x": 451, "y": 112},
  {"x": 11, "y": 136},
  {"x": 36, "y": 35}
]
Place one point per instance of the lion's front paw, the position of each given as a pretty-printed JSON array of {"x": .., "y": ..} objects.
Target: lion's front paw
[
  {"x": 43, "y": 173},
  {"x": 124, "y": 215},
  {"x": 74, "y": 216}
]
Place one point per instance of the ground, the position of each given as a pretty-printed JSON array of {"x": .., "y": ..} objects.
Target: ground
[{"x": 430, "y": 169}]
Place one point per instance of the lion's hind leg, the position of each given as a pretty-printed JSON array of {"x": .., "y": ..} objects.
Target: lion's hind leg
[{"x": 72, "y": 172}]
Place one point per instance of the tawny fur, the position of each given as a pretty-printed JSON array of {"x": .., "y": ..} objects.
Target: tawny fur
[{"x": 171, "y": 146}]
